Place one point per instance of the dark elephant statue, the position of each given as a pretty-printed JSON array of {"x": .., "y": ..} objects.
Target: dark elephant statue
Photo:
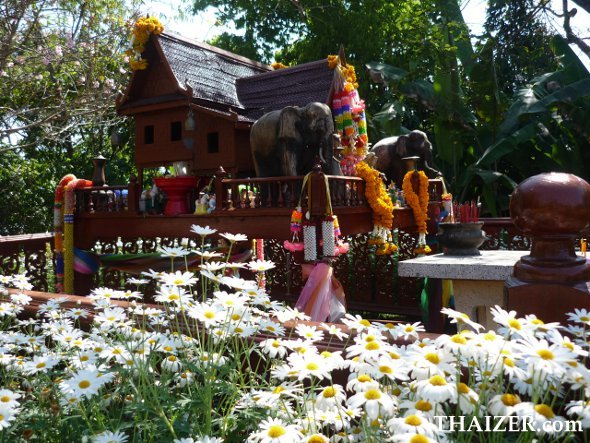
[
  {"x": 286, "y": 142},
  {"x": 388, "y": 154}
]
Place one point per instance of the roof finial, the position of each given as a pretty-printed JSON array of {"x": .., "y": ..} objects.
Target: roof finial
[{"x": 341, "y": 55}]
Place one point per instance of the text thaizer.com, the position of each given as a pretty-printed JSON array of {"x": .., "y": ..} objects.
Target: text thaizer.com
[{"x": 503, "y": 423}]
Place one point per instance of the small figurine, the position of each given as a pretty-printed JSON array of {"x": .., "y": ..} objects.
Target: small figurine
[
  {"x": 212, "y": 204},
  {"x": 201, "y": 205}
]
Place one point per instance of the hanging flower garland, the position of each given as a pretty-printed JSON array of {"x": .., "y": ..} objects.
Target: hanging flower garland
[
  {"x": 419, "y": 205},
  {"x": 140, "y": 34},
  {"x": 382, "y": 208},
  {"x": 349, "y": 115},
  {"x": 278, "y": 65}
]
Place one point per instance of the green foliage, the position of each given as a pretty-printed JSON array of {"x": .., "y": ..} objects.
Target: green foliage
[{"x": 61, "y": 67}]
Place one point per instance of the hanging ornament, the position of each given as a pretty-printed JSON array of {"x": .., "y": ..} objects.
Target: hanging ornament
[{"x": 309, "y": 242}]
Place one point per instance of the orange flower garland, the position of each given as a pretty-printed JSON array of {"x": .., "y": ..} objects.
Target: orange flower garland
[
  {"x": 419, "y": 205},
  {"x": 381, "y": 205}
]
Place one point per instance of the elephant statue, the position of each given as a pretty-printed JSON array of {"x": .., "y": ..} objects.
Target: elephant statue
[
  {"x": 388, "y": 154},
  {"x": 286, "y": 142}
]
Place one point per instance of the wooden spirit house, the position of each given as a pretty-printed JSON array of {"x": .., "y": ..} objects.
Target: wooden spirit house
[{"x": 196, "y": 103}]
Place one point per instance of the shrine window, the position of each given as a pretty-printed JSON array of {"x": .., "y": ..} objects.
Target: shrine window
[
  {"x": 212, "y": 142},
  {"x": 175, "y": 131},
  {"x": 148, "y": 135}
]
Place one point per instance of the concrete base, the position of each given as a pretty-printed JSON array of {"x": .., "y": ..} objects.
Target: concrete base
[{"x": 476, "y": 297}]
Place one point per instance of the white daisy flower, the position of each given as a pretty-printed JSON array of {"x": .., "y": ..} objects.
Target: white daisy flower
[
  {"x": 542, "y": 418},
  {"x": 273, "y": 347},
  {"x": 542, "y": 356},
  {"x": 275, "y": 430},
  {"x": 84, "y": 383},
  {"x": 331, "y": 397},
  {"x": 407, "y": 330},
  {"x": 9, "y": 398},
  {"x": 334, "y": 330},
  {"x": 436, "y": 389},
  {"x": 413, "y": 424},
  {"x": 110, "y": 437},
  {"x": 40, "y": 364},
  {"x": 374, "y": 402},
  {"x": 234, "y": 238},
  {"x": 579, "y": 316},
  {"x": 172, "y": 252},
  {"x": 503, "y": 404},
  {"x": 508, "y": 321},
  {"x": 460, "y": 318},
  {"x": 208, "y": 255},
  {"x": 261, "y": 265},
  {"x": 7, "y": 414},
  {"x": 213, "y": 266},
  {"x": 137, "y": 281},
  {"x": 203, "y": 231},
  {"x": 309, "y": 364},
  {"x": 308, "y": 332},
  {"x": 178, "y": 278},
  {"x": 173, "y": 294}
]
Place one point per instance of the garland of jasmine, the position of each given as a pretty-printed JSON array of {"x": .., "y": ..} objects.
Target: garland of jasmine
[
  {"x": 382, "y": 207},
  {"x": 140, "y": 34},
  {"x": 419, "y": 204}
]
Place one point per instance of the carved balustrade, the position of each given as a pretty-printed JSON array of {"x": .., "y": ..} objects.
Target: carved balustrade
[{"x": 30, "y": 253}]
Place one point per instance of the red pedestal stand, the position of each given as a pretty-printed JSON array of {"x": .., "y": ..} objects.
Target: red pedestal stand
[{"x": 176, "y": 189}]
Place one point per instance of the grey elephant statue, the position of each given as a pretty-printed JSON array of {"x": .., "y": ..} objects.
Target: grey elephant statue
[
  {"x": 388, "y": 154},
  {"x": 286, "y": 142}
]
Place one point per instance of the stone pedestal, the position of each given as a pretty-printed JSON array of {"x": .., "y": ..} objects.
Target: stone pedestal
[
  {"x": 478, "y": 281},
  {"x": 552, "y": 209}
]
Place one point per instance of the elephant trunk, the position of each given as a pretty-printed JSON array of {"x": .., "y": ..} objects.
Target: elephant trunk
[{"x": 322, "y": 158}]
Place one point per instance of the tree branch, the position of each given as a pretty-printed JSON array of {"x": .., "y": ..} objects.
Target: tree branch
[{"x": 569, "y": 33}]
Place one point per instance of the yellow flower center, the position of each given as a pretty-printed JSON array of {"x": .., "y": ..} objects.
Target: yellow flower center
[
  {"x": 437, "y": 380},
  {"x": 509, "y": 399},
  {"x": 275, "y": 344},
  {"x": 372, "y": 394},
  {"x": 514, "y": 324},
  {"x": 544, "y": 410},
  {"x": 394, "y": 355},
  {"x": 366, "y": 323},
  {"x": 276, "y": 431},
  {"x": 423, "y": 405},
  {"x": 316, "y": 439},
  {"x": 173, "y": 297},
  {"x": 235, "y": 317},
  {"x": 372, "y": 346},
  {"x": 490, "y": 336},
  {"x": 329, "y": 392},
  {"x": 459, "y": 339},
  {"x": 389, "y": 325},
  {"x": 312, "y": 366},
  {"x": 413, "y": 420},
  {"x": 385, "y": 369},
  {"x": 584, "y": 318},
  {"x": 418, "y": 439},
  {"x": 462, "y": 388},
  {"x": 84, "y": 384},
  {"x": 370, "y": 338},
  {"x": 568, "y": 345},
  {"x": 432, "y": 358},
  {"x": 509, "y": 362},
  {"x": 364, "y": 378},
  {"x": 40, "y": 365},
  {"x": 278, "y": 390},
  {"x": 545, "y": 354},
  {"x": 326, "y": 354},
  {"x": 409, "y": 328},
  {"x": 84, "y": 358},
  {"x": 172, "y": 358},
  {"x": 5, "y": 399},
  {"x": 178, "y": 281},
  {"x": 538, "y": 321}
]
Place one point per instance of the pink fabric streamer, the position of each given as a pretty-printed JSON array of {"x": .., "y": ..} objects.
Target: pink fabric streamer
[{"x": 322, "y": 297}]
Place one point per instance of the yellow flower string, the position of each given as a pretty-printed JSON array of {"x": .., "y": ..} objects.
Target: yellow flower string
[
  {"x": 382, "y": 207},
  {"x": 278, "y": 65},
  {"x": 419, "y": 204},
  {"x": 140, "y": 34}
]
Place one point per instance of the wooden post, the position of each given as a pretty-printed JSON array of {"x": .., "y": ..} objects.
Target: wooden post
[
  {"x": 133, "y": 192},
  {"x": 220, "y": 192},
  {"x": 318, "y": 192}
]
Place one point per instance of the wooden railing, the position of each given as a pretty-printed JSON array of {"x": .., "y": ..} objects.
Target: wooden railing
[
  {"x": 30, "y": 253},
  {"x": 118, "y": 198},
  {"x": 273, "y": 192}
]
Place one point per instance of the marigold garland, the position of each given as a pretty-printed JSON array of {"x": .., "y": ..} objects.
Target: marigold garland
[
  {"x": 140, "y": 34},
  {"x": 278, "y": 65},
  {"x": 419, "y": 204},
  {"x": 382, "y": 207}
]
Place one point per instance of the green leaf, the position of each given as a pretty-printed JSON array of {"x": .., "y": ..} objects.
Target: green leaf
[
  {"x": 508, "y": 144},
  {"x": 381, "y": 72}
]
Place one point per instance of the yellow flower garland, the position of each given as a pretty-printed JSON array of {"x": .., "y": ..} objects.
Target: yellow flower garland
[
  {"x": 382, "y": 207},
  {"x": 142, "y": 29},
  {"x": 418, "y": 203}
]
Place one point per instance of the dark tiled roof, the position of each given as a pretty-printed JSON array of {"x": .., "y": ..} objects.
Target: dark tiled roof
[
  {"x": 210, "y": 71},
  {"x": 294, "y": 86}
]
